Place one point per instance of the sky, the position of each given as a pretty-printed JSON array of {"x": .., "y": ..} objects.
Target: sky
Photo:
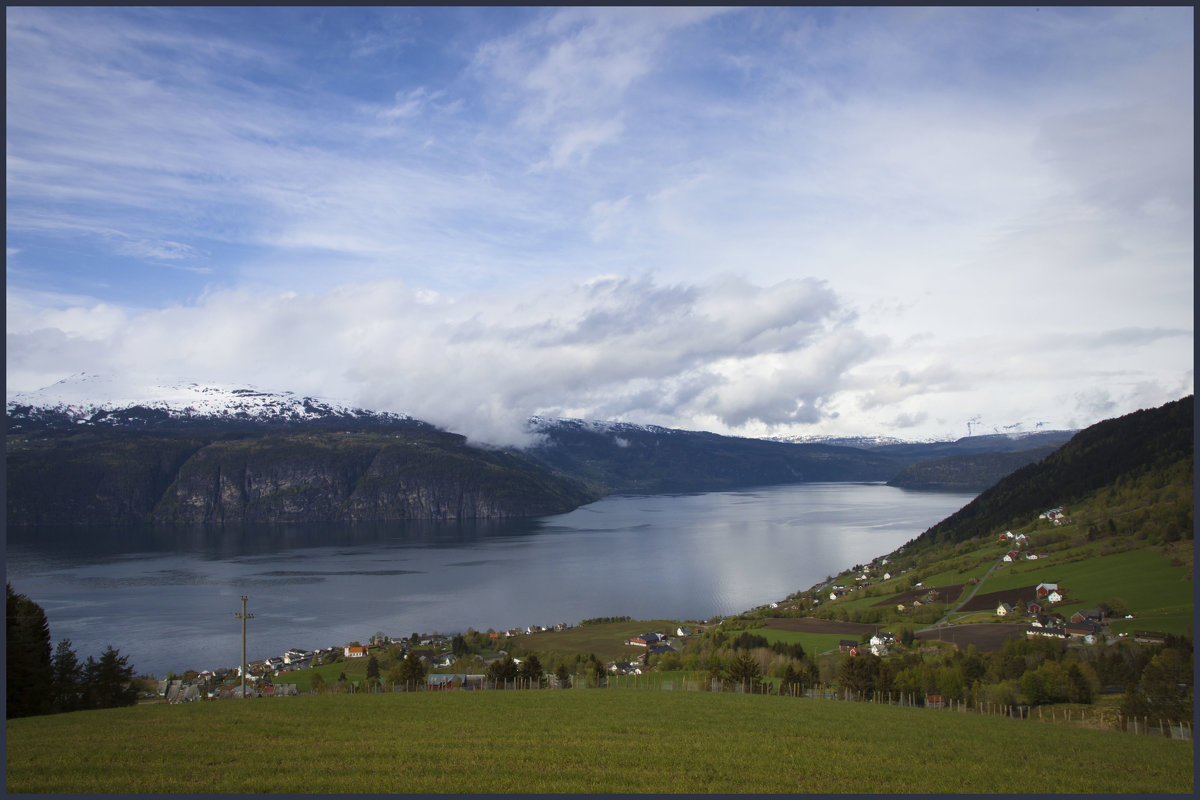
[{"x": 919, "y": 223}]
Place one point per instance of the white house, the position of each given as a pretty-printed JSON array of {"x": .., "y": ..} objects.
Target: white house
[
  {"x": 354, "y": 652},
  {"x": 1054, "y": 596}
]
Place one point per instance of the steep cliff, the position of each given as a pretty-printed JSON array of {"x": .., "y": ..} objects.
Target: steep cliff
[{"x": 279, "y": 476}]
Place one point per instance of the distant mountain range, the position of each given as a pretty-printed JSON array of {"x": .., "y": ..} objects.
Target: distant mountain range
[{"x": 83, "y": 451}]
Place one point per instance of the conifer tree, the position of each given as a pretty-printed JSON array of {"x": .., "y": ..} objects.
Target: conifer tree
[
  {"x": 27, "y": 662},
  {"x": 66, "y": 678}
]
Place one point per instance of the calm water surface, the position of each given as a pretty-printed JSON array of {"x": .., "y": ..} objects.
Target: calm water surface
[{"x": 166, "y": 596}]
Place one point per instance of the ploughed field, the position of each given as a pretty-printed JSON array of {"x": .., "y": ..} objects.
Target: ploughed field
[
  {"x": 984, "y": 635},
  {"x": 579, "y": 740}
]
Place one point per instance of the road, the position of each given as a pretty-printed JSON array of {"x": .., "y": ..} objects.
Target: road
[{"x": 946, "y": 617}]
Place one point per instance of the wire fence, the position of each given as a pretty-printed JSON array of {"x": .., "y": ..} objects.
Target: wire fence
[{"x": 1100, "y": 718}]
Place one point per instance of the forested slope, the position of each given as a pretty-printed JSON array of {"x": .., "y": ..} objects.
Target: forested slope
[{"x": 1121, "y": 448}]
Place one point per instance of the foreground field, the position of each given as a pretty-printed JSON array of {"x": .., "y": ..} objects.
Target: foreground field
[{"x": 609, "y": 741}]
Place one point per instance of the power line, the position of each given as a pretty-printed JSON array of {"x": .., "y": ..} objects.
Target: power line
[{"x": 244, "y": 617}]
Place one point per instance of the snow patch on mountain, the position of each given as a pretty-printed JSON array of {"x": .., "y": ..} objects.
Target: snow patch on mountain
[{"x": 87, "y": 398}]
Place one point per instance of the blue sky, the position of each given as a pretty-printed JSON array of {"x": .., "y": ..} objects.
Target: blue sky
[{"x": 763, "y": 221}]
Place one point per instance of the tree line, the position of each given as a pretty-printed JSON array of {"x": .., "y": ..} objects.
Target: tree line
[{"x": 43, "y": 682}]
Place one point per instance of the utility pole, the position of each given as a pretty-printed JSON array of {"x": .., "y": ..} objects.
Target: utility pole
[{"x": 243, "y": 617}]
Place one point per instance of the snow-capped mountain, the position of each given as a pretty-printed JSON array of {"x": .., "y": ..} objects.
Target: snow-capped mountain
[{"x": 87, "y": 399}]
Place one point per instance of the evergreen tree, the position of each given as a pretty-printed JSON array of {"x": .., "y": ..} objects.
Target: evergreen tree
[
  {"x": 743, "y": 669},
  {"x": 66, "y": 678},
  {"x": 531, "y": 670},
  {"x": 108, "y": 683},
  {"x": 502, "y": 670},
  {"x": 372, "y": 668},
  {"x": 411, "y": 671},
  {"x": 27, "y": 661},
  {"x": 563, "y": 673}
]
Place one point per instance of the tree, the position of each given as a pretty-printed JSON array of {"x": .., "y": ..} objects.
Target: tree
[
  {"x": 596, "y": 667},
  {"x": 1166, "y": 686},
  {"x": 372, "y": 668},
  {"x": 1114, "y": 607},
  {"x": 858, "y": 673},
  {"x": 66, "y": 678},
  {"x": 563, "y": 674},
  {"x": 318, "y": 683},
  {"x": 410, "y": 670},
  {"x": 27, "y": 659},
  {"x": 502, "y": 670},
  {"x": 108, "y": 683},
  {"x": 743, "y": 669},
  {"x": 531, "y": 670}
]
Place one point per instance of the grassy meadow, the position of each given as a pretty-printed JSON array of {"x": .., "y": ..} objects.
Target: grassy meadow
[
  {"x": 605, "y": 640},
  {"x": 811, "y": 642},
  {"x": 1145, "y": 579},
  {"x": 606, "y": 741}
]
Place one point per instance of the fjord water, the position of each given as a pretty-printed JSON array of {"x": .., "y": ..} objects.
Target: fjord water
[{"x": 166, "y": 596}]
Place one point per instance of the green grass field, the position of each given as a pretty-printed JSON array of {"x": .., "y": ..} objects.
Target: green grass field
[
  {"x": 607, "y": 741},
  {"x": 1144, "y": 579},
  {"x": 606, "y": 640},
  {"x": 811, "y": 642}
]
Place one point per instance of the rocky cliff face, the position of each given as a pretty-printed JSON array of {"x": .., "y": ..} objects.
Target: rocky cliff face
[{"x": 279, "y": 477}]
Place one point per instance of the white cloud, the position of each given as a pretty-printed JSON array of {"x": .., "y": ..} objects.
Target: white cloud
[
  {"x": 837, "y": 219},
  {"x": 480, "y": 365}
]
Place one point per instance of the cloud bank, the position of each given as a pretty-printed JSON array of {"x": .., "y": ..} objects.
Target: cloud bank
[
  {"x": 613, "y": 347},
  {"x": 750, "y": 220}
]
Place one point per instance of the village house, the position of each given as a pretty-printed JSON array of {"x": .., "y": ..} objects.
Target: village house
[
  {"x": 1004, "y": 609},
  {"x": 846, "y": 645},
  {"x": 1086, "y": 630},
  {"x": 646, "y": 639},
  {"x": 1011, "y": 555},
  {"x": 354, "y": 652}
]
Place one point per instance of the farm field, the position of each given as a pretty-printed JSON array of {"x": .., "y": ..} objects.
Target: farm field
[
  {"x": 1144, "y": 579},
  {"x": 813, "y": 643},
  {"x": 606, "y": 640},
  {"x": 607, "y": 741},
  {"x": 985, "y": 636}
]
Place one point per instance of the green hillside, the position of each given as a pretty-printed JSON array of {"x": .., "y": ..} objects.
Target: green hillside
[
  {"x": 1107, "y": 454},
  {"x": 584, "y": 740}
]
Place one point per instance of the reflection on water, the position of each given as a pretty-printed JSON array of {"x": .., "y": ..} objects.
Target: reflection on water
[{"x": 166, "y": 596}]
